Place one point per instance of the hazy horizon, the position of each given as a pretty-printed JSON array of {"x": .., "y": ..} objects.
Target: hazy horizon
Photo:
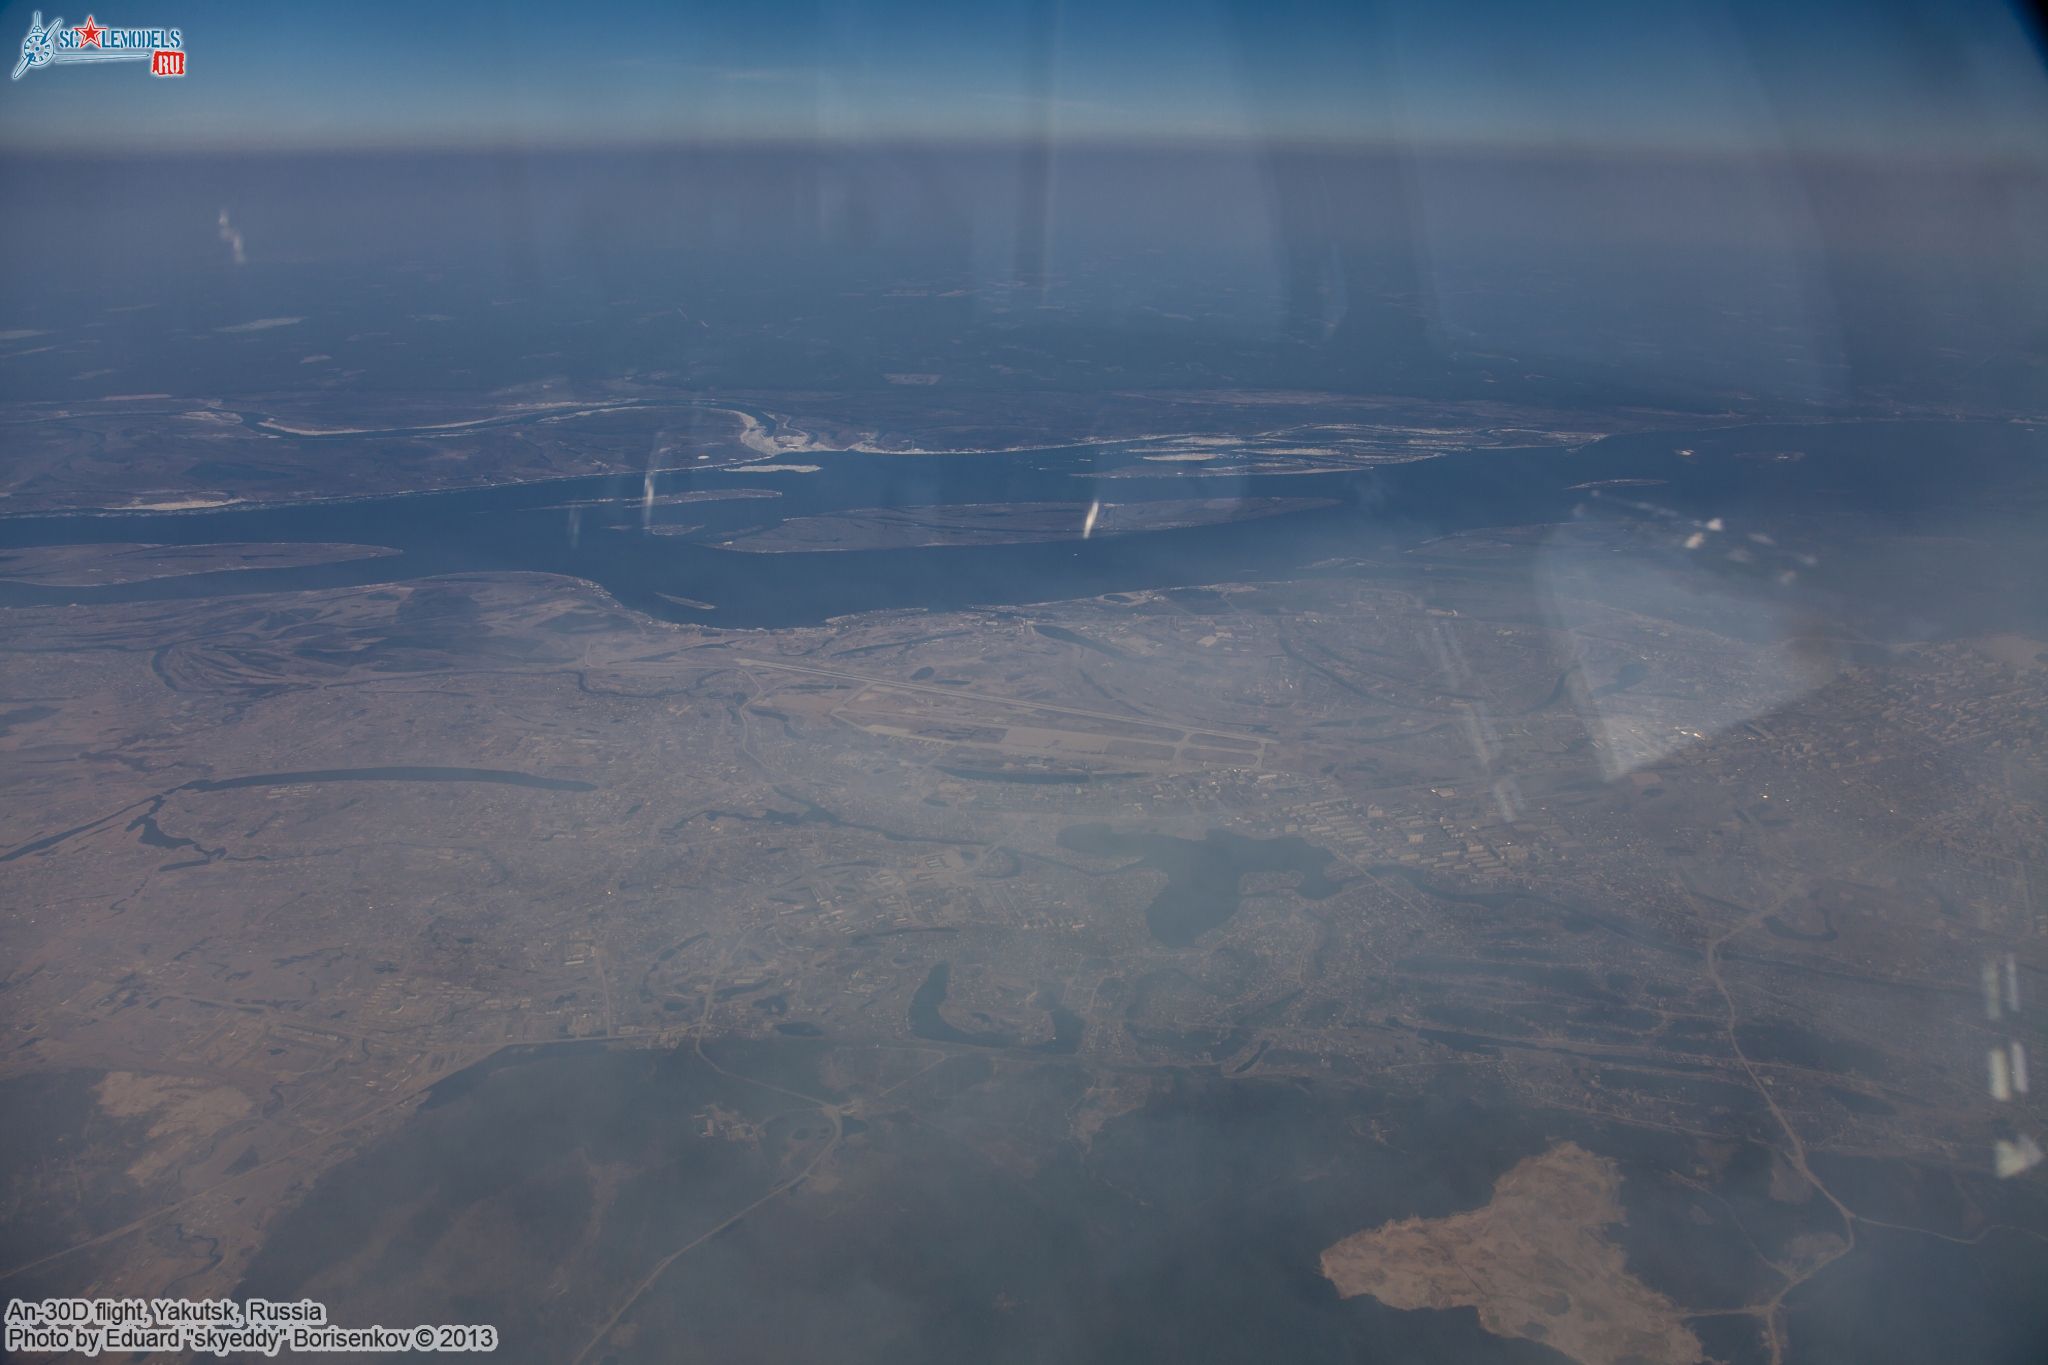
[{"x": 1919, "y": 77}]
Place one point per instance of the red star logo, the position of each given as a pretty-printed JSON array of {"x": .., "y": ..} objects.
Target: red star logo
[{"x": 88, "y": 33}]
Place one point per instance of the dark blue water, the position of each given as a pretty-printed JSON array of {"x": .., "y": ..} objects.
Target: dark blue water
[{"x": 1903, "y": 476}]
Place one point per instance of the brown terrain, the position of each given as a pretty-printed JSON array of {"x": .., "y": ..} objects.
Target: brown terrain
[{"x": 1535, "y": 1262}]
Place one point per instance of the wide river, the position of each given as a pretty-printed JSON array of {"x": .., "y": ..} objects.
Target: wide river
[{"x": 1949, "y": 477}]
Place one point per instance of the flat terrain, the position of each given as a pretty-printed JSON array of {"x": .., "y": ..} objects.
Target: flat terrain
[
  {"x": 1513, "y": 898},
  {"x": 1006, "y": 524},
  {"x": 1534, "y": 1261},
  {"x": 87, "y": 565}
]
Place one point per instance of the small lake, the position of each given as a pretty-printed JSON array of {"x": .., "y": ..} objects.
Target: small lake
[{"x": 1204, "y": 877}]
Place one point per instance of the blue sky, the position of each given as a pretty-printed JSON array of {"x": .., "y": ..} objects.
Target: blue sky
[{"x": 1943, "y": 79}]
